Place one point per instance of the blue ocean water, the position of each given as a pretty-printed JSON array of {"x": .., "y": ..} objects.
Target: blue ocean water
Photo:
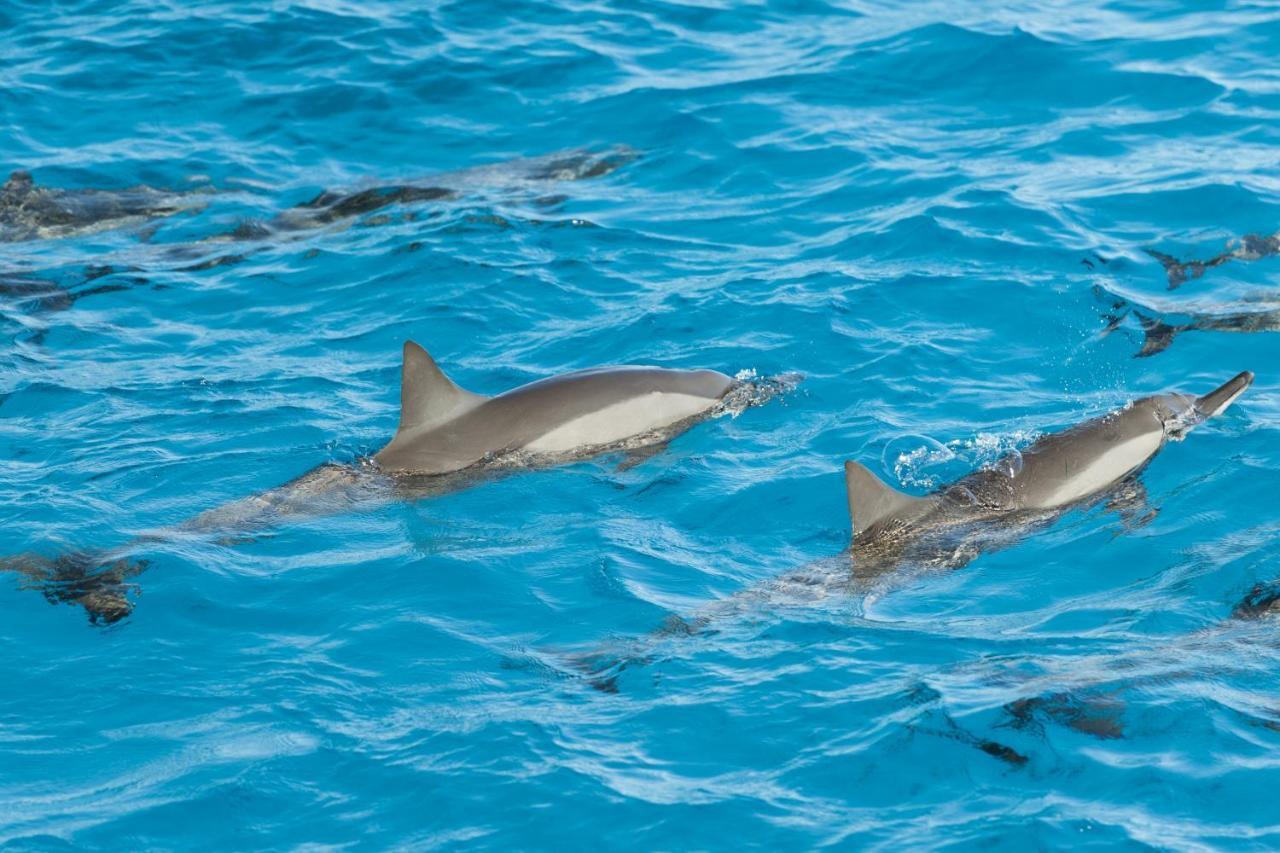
[{"x": 938, "y": 213}]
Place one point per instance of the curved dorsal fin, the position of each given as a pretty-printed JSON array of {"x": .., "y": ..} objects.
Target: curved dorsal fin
[
  {"x": 427, "y": 396},
  {"x": 872, "y": 502}
]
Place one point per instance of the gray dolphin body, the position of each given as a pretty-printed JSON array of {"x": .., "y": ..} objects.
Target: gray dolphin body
[
  {"x": 444, "y": 429},
  {"x": 447, "y": 438},
  {"x": 32, "y": 212},
  {"x": 1053, "y": 474},
  {"x": 983, "y": 511}
]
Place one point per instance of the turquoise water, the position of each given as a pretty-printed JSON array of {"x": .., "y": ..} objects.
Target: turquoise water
[{"x": 938, "y": 215}]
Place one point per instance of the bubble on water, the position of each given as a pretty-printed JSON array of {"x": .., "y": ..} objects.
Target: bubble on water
[
  {"x": 749, "y": 389},
  {"x": 962, "y": 495},
  {"x": 1010, "y": 464},
  {"x": 911, "y": 456},
  {"x": 989, "y": 448}
]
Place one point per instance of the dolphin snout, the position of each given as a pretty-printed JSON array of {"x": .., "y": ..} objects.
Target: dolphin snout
[{"x": 1216, "y": 401}]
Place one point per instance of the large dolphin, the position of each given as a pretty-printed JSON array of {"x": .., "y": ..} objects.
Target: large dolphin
[
  {"x": 985, "y": 510},
  {"x": 447, "y": 438},
  {"x": 445, "y": 429},
  {"x": 29, "y": 211}
]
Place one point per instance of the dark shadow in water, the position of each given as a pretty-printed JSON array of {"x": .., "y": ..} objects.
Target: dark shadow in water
[
  {"x": 1250, "y": 247},
  {"x": 29, "y": 211},
  {"x": 1098, "y": 710},
  {"x": 1160, "y": 329}
]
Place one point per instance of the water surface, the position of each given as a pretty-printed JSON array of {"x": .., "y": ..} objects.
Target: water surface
[{"x": 929, "y": 212}]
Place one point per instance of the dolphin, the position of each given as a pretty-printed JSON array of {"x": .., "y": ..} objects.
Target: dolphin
[
  {"x": 1028, "y": 487},
  {"x": 447, "y": 439},
  {"x": 1087, "y": 694},
  {"x": 1250, "y": 247},
  {"x": 335, "y": 207},
  {"x": 445, "y": 429},
  {"x": 1093, "y": 704},
  {"x": 1159, "y": 332},
  {"x": 29, "y": 211},
  {"x": 983, "y": 511}
]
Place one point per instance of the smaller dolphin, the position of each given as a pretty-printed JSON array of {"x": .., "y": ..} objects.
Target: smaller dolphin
[
  {"x": 1158, "y": 335},
  {"x": 1053, "y": 474},
  {"x": 32, "y": 212},
  {"x": 332, "y": 207},
  {"x": 985, "y": 510},
  {"x": 1095, "y": 707}
]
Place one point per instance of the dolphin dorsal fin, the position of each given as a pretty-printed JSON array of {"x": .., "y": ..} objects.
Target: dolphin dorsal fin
[
  {"x": 872, "y": 502},
  {"x": 426, "y": 395}
]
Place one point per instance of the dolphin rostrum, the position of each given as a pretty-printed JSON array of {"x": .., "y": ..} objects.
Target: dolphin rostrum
[
  {"x": 986, "y": 510},
  {"x": 447, "y": 438}
]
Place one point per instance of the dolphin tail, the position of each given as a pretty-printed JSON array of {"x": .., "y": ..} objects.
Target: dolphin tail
[
  {"x": 953, "y": 731},
  {"x": 1175, "y": 269},
  {"x": 1157, "y": 335},
  {"x": 872, "y": 502},
  {"x": 79, "y": 579},
  {"x": 1217, "y": 400}
]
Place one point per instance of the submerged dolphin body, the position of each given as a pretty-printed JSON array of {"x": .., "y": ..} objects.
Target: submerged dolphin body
[
  {"x": 1089, "y": 698},
  {"x": 333, "y": 207},
  {"x": 448, "y": 438},
  {"x": 1250, "y": 247},
  {"x": 1159, "y": 331},
  {"x": 29, "y": 211},
  {"x": 981, "y": 512}
]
